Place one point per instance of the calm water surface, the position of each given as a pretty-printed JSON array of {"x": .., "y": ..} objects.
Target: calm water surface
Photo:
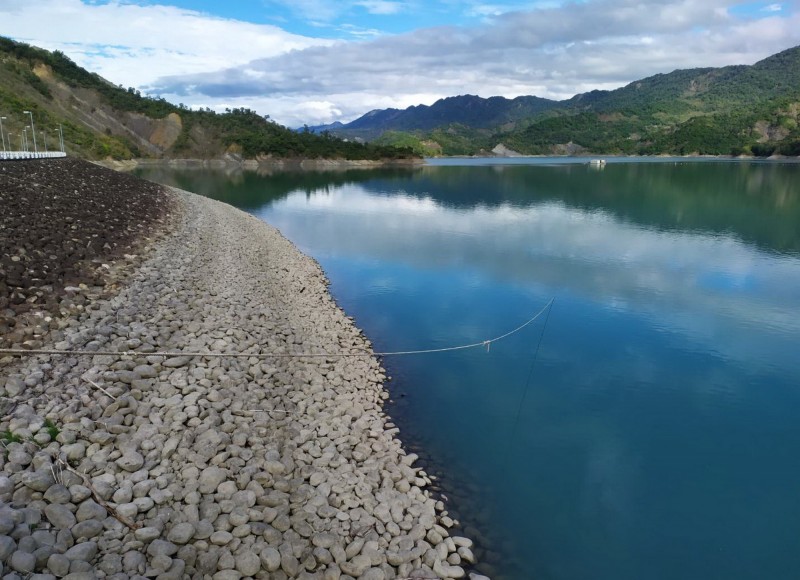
[{"x": 657, "y": 432}]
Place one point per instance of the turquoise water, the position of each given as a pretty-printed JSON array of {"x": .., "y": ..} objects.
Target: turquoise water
[{"x": 655, "y": 432}]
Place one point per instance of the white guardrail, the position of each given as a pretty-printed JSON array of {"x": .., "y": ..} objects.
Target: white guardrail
[{"x": 31, "y": 155}]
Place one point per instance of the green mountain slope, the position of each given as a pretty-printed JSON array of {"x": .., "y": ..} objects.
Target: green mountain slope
[
  {"x": 101, "y": 120},
  {"x": 729, "y": 110}
]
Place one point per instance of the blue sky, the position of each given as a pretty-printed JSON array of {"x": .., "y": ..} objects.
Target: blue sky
[
  {"x": 755, "y": 10},
  {"x": 318, "y": 61},
  {"x": 348, "y": 19}
]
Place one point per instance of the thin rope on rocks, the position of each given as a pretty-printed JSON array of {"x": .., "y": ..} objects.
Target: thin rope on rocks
[{"x": 360, "y": 352}]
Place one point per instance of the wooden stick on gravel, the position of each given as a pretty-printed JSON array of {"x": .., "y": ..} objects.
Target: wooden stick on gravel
[
  {"x": 96, "y": 386},
  {"x": 111, "y": 511}
]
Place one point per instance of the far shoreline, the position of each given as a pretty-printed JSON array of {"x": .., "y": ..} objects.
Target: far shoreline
[
  {"x": 300, "y": 164},
  {"x": 266, "y": 163},
  {"x": 661, "y": 156}
]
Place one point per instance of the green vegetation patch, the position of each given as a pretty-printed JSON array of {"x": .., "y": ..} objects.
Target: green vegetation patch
[
  {"x": 51, "y": 429},
  {"x": 9, "y": 437}
]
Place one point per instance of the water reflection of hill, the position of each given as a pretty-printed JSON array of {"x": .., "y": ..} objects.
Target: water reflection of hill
[
  {"x": 756, "y": 202},
  {"x": 250, "y": 190}
]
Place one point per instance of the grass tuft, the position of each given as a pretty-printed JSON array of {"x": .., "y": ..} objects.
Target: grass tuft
[{"x": 51, "y": 429}]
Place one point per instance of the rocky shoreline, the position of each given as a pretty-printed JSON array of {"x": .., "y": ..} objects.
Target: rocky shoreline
[{"x": 138, "y": 465}]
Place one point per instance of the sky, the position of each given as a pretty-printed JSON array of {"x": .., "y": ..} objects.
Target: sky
[{"x": 319, "y": 61}]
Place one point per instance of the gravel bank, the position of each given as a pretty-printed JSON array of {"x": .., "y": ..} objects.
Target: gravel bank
[
  {"x": 205, "y": 467},
  {"x": 69, "y": 232}
]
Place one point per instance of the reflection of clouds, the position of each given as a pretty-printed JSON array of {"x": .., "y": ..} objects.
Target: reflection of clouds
[
  {"x": 608, "y": 482},
  {"x": 713, "y": 288},
  {"x": 367, "y": 204}
]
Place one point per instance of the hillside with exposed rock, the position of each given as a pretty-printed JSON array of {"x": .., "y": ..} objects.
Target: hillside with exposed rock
[{"x": 101, "y": 120}]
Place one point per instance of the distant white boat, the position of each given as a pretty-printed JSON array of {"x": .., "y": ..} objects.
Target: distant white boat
[{"x": 597, "y": 162}]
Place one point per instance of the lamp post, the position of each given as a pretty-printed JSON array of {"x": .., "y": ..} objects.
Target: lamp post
[
  {"x": 25, "y": 138},
  {"x": 44, "y": 136},
  {"x": 33, "y": 130},
  {"x": 61, "y": 137},
  {"x": 3, "y": 137}
]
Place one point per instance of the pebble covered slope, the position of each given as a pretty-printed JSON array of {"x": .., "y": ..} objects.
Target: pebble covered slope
[
  {"x": 146, "y": 466},
  {"x": 65, "y": 223}
]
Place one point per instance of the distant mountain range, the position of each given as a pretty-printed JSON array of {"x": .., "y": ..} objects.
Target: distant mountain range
[
  {"x": 729, "y": 110},
  {"x": 466, "y": 110}
]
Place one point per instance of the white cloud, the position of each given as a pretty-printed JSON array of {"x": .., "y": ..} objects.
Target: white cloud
[
  {"x": 325, "y": 11},
  {"x": 383, "y": 7},
  {"x": 295, "y": 112},
  {"x": 551, "y": 51},
  {"x": 316, "y": 10},
  {"x": 359, "y": 32},
  {"x": 133, "y": 45},
  {"x": 772, "y": 8},
  {"x": 487, "y": 11}
]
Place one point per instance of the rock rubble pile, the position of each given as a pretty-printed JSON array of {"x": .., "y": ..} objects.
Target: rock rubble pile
[{"x": 141, "y": 465}]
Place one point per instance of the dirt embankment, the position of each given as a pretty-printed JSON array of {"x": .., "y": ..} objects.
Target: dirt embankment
[{"x": 67, "y": 230}]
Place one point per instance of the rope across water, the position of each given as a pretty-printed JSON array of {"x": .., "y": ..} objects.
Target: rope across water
[{"x": 359, "y": 352}]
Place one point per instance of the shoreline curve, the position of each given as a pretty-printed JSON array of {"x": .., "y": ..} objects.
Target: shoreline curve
[{"x": 227, "y": 468}]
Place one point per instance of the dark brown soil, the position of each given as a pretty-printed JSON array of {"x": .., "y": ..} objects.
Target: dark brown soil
[{"x": 66, "y": 227}]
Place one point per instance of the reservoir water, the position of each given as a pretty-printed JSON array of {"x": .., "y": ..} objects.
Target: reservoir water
[{"x": 646, "y": 427}]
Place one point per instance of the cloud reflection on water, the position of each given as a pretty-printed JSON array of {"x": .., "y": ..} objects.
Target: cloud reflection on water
[{"x": 712, "y": 288}]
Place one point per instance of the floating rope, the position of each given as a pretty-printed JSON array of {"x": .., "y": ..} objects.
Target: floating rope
[{"x": 360, "y": 352}]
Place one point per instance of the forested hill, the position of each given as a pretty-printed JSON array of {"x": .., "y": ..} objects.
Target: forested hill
[
  {"x": 101, "y": 120},
  {"x": 729, "y": 110}
]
